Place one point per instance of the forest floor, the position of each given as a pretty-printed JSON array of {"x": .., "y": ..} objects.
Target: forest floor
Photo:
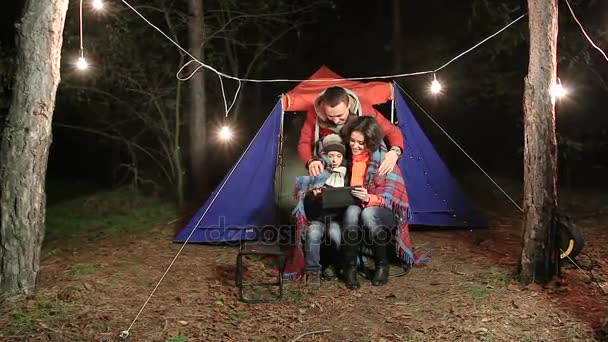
[{"x": 93, "y": 285}]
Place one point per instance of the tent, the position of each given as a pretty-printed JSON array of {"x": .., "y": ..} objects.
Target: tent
[{"x": 260, "y": 184}]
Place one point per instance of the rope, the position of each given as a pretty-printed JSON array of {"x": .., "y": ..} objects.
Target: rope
[
  {"x": 585, "y": 33},
  {"x": 81, "y": 36},
  {"x": 203, "y": 65},
  {"x": 590, "y": 275},
  {"x": 461, "y": 148},
  {"x": 125, "y": 333}
]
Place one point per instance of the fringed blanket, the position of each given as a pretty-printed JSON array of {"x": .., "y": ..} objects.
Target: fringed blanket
[{"x": 390, "y": 187}]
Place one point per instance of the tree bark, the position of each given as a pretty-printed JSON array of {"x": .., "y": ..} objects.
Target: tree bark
[
  {"x": 197, "y": 115},
  {"x": 540, "y": 254},
  {"x": 25, "y": 144}
]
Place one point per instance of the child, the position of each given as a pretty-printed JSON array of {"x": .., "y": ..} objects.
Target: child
[{"x": 322, "y": 221}]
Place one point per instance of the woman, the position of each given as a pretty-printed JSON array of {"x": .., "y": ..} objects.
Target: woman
[{"x": 384, "y": 204}]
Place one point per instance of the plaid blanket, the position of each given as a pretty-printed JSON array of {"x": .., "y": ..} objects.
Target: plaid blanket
[{"x": 390, "y": 187}]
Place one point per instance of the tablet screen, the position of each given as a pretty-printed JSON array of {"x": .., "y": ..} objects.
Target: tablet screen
[{"x": 338, "y": 197}]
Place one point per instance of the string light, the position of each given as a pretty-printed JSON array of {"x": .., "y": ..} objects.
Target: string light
[
  {"x": 225, "y": 133},
  {"x": 221, "y": 74},
  {"x": 558, "y": 91},
  {"x": 98, "y": 5},
  {"x": 435, "y": 85},
  {"x": 82, "y": 64}
]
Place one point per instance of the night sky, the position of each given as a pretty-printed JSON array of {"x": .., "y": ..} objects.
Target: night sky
[{"x": 354, "y": 39}]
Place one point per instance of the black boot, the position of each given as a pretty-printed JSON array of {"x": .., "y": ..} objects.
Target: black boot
[
  {"x": 350, "y": 266},
  {"x": 350, "y": 277},
  {"x": 381, "y": 272},
  {"x": 380, "y": 275},
  {"x": 350, "y": 250}
]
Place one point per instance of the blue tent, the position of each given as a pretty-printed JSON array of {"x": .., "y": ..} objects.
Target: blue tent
[{"x": 245, "y": 199}]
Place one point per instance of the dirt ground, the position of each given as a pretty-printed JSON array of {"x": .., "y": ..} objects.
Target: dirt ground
[{"x": 93, "y": 292}]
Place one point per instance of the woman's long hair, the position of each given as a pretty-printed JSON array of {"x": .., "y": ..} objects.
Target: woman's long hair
[{"x": 369, "y": 127}]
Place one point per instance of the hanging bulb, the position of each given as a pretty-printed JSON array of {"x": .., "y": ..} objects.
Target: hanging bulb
[
  {"x": 558, "y": 91},
  {"x": 435, "y": 85},
  {"x": 98, "y": 5},
  {"x": 81, "y": 63},
  {"x": 225, "y": 133}
]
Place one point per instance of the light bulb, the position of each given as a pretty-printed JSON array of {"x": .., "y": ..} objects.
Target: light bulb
[
  {"x": 82, "y": 64},
  {"x": 225, "y": 133},
  {"x": 558, "y": 91},
  {"x": 97, "y": 4},
  {"x": 435, "y": 87}
]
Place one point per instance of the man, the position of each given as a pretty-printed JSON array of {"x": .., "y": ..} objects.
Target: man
[{"x": 332, "y": 109}]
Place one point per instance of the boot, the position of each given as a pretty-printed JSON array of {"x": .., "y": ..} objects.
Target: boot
[
  {"x": 380, "y": 275},
  {"x": 313, "y": 278},
  {"x": 329, "y": 273},
  {"x": 381, "y": 272},
  {"x": 350, "y": 267},
  {"x": 350, "y": 277}
]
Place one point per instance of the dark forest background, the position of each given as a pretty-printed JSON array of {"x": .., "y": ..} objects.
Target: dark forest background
[{"x": 105, "y": 115}]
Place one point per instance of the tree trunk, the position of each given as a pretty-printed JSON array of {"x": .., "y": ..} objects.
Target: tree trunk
[
  {"x": 197, "y": 115},
  {"x": 25, "y": 144},
  {"x": 397, "y": 37},
  {"x": 540, "y": 254}
]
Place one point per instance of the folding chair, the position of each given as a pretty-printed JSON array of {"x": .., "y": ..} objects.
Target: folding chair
[{"x": 260, "y": 248}]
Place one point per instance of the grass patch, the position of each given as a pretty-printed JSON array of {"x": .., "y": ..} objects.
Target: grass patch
[
  {"x": 479, "y": 293},
  {"x": 21, "y": 319},
  {"x": 80, "y": 270},
  {"x": 111, "y": 213},
  {"x": 493, "y": 277},
  {"x": 295, "y": 295},
  {"x": 178, "y": 338}
]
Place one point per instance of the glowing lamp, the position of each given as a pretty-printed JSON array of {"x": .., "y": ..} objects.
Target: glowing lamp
[
  {"x": 558, "y": 90},
  {"x": 225, "y": 133},
  {"x": 97, "y": 5},
  {"x": 81, "y": 63},
  {"x": 435, "y": 85}
]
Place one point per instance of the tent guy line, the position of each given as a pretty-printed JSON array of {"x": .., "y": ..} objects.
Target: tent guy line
[
  {"x": 461, "y": 148},
  {"x": 125, "y": 333}
]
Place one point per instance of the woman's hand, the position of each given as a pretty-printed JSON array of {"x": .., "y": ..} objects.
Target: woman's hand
[
  {"x": 360, "y": 193},
  {"x": 390, "y": 160}
]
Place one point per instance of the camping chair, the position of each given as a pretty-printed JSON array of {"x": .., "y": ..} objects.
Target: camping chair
[{"x": 261, "y": 247}]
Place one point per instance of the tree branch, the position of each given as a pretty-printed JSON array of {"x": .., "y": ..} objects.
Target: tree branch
[{"x": 119, "y": 138}]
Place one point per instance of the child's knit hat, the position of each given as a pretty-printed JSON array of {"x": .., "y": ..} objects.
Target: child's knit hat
[{"x": 333, "y": 142}]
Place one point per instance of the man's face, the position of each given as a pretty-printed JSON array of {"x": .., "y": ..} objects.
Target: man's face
[
  {"x": 338, "y": 114},
  {"x": 335, "y": 158}
]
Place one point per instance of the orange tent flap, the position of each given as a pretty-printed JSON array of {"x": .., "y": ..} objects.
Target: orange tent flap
[{"x": 302, "y": 97}]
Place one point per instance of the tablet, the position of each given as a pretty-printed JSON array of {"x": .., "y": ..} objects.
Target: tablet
[{"x": 334, "y": 198}]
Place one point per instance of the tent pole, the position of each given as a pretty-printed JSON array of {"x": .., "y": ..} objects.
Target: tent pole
[
  {"x": 280, "y": 163},
  {"x": 393, "y": 105}
]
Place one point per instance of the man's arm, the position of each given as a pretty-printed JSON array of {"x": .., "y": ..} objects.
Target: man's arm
[{"x": 306, "y": 143}]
